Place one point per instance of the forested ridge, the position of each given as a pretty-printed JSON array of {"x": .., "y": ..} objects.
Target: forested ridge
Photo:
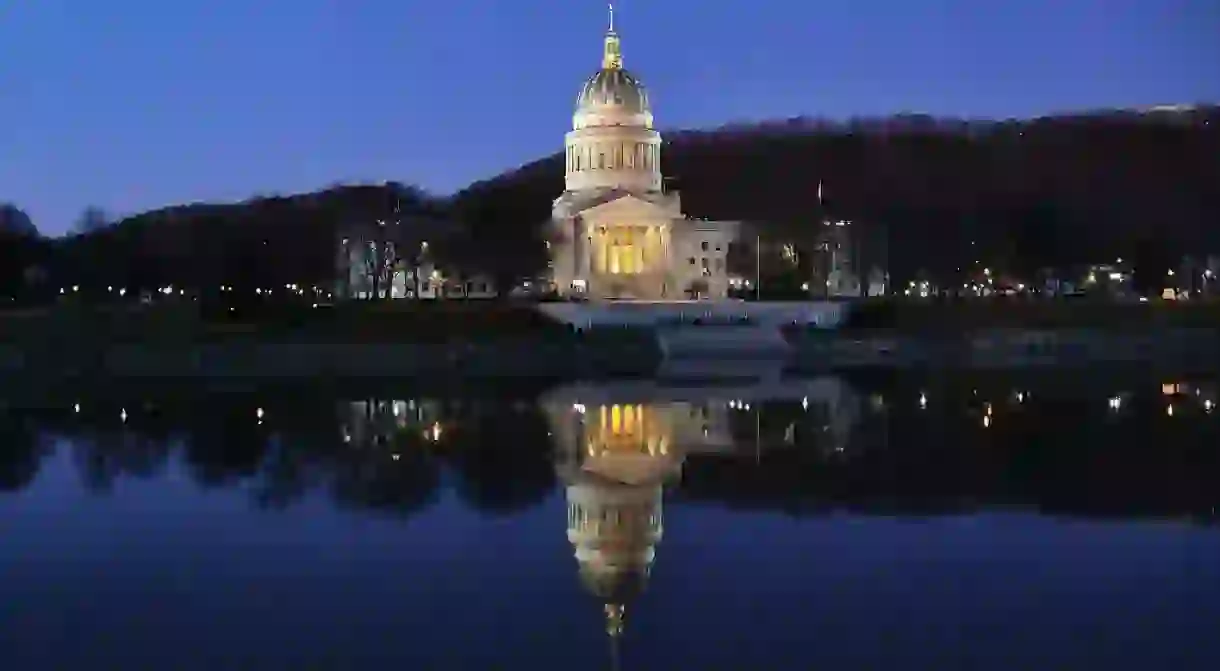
[{"x": 925, "y": 194}]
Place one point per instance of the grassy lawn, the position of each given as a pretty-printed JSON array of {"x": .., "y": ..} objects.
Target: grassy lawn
[
  {"x": 918, "y": 317},
  {"x": 376, "y": 322},
  {"x": 63, "y": 327}
]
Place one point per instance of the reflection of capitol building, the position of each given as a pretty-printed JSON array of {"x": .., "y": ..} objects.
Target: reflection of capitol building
[
  {"x": 618, "y": 445},
  {"x": 614, "y": 460}
]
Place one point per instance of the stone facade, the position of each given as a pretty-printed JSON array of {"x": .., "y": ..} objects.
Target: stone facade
[{"x": 616, "y": 233}]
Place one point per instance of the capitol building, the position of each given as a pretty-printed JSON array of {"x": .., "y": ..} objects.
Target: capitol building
[{"x": 616, "y": 232}]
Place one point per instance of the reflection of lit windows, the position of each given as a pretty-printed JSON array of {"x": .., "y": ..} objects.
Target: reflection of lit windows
[{"x": 626, "y": 429}]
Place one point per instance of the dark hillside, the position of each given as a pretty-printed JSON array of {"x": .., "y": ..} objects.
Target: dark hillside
[
  {"x": 1040, "y": 192},
  {"x": 264, "y": 242},
  {"x": 925, "y": 193}
]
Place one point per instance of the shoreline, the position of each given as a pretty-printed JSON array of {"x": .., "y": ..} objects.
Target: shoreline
[{"x": 634, "y": 355}]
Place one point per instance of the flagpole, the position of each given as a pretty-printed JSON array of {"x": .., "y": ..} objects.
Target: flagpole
[
  {"x": 757, "y": 266},
  {"x": 822, "y": 213}
]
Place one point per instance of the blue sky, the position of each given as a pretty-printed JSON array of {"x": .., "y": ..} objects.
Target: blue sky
[{"x": 134, "y": 104}]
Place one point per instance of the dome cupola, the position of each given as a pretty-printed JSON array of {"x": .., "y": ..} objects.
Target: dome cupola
[{"x": 613, "y": 96}]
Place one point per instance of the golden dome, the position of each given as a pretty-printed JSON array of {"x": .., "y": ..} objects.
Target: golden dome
[{"x": 612, "y": 86}]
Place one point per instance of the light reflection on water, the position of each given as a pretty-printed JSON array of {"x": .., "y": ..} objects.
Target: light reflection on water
[{"x": 893, "y": 523}]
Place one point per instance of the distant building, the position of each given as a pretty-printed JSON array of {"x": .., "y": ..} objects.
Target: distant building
[
  {"x": 387, "y": 260},
  {"x": 838, "y": 253},
  {"x": 878, "y": 282},
  {"x": 1113, "y": 279},
  {"x": 366, "y": 264},
  {"x": 617, "y": 233}
]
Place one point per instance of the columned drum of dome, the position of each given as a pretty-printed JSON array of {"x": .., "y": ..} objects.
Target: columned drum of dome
[{"x": 616, "y": 232}]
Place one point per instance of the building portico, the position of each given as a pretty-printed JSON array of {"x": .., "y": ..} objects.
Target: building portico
[{"x": 622, "y": 248}]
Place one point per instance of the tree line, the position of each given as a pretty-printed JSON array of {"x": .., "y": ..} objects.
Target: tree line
[
  {"x": 1061, "y": 450},
  {"x": 925, "y": 195}
]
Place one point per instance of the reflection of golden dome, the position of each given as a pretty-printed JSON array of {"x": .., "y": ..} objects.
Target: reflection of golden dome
[
  {"x": 614, "y": 584},
  {"x": 614, "y": 529},
  {"x": 614, "y": 629},
  {"x": 615, "y": 612}
]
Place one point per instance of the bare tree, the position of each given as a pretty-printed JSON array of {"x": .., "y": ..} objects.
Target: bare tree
[{"x": 383, "y": 254}]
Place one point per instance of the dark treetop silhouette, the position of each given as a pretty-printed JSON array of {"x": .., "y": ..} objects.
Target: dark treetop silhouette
[
  {"x": 941, "y": 193},
  {"x": 1059, "y": 446}
]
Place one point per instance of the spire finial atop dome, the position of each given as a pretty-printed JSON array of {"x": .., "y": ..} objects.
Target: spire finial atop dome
[
  {"x": 614, "y": 619},
  {"x": 612, "y": 57},
  {"x": 614, "y": 628}
]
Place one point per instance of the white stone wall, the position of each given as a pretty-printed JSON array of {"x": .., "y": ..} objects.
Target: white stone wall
[
  {"x": 564, "y": 246},
  {"x": 700, "y": 250}
]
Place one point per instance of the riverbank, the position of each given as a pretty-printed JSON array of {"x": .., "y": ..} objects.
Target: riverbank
[
  {"x": 907, "y": 316},
  {"x": 486, "y": 340},
  {"x": 1173, "y": 348},
  {"x": 353, "y": 322},
  {"x": 431, "y": 322},
  {"x": 606, "y": 355}
]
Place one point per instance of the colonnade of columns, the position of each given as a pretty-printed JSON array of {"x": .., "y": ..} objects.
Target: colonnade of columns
[
  {"x": 612, "y": 156},
  {"x": 625, "y": 250},
  {"x": 627, "y": 429}
]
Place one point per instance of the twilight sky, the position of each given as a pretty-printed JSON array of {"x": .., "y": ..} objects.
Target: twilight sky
[{"x": 134, "y": 104}]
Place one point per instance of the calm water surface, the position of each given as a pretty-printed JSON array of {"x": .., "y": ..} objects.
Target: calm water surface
[{"x": 1055, "y": 521}]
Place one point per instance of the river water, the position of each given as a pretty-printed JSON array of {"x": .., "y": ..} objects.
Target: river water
[{"x": 993, "y": 522}]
